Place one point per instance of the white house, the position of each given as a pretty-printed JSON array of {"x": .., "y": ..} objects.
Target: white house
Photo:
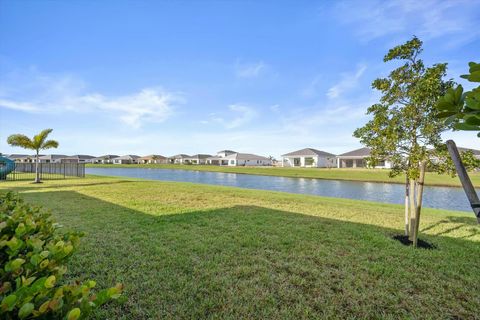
[
  {"x": 108, "y": 158},
  {"x": 197, "y": 159},
  {"x": 79, "y": 158},
  {"x": 52, "y": 158},
  {"x": 219, "y": 159},
  {"x": 357, "y": 159},
  {"x": 127, "y": 159},
  {"x": 22, "y": 158},
  {"x": 178, "y": 158},
  {"x": 309, "y": 157},
  {"x": 245, "y": 159},
  {"x": 224, "y": 153}
]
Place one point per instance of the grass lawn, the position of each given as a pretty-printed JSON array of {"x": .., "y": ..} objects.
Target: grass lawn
[
  {"x": 371, "y": 175},
  {"x": 196, "y": 251}
]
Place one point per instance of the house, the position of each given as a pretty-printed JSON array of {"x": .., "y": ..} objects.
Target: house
[
  {"x": 219, "y": 159},
  {"x": 52, "y": 158},
  {"x": 224, "y": 153},
  {"x": 197, "y": 159},
  {"x": 309, "y": 157},
  {"x": 79, "y": 158},
  {"x": 476, "y": 153},
  {"x": 178, "y": 159},
  {"x": 22, "y": 158},
  {"x": 245, "y": 159},
  {"x": 153, "y": 158},
  {"x": 127, "y": 159},
  {"x": 108, "y": 158},
  {"x": 357, "y": 159}
]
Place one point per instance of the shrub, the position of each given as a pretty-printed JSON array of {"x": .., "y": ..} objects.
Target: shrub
[{"x": 33, "y": 256}]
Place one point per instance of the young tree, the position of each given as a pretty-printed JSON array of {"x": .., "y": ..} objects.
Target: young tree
[
  {"x": 404, "y": 128},
  {"x": 39, "y": 142}
]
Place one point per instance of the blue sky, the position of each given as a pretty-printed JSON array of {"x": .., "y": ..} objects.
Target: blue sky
[{"x": 269, "y": 77}]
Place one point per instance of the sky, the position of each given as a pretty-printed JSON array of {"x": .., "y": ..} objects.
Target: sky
[{"x": 169, "y": 77}]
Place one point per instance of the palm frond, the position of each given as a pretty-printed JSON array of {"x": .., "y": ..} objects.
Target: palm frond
[
  {"x": 40, "y": 138},
  {"x": 20, "y": 140},
  {"x": 49, "y": 144}
]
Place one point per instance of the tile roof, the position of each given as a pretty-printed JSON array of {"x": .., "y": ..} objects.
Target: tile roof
[
  {"x": 309, "y": 152},
  {"x": 362, "y": 152},
  {"x": 245, "y": 156}
]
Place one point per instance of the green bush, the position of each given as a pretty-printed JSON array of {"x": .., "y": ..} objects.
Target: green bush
[{"x": 33, "y": 256}]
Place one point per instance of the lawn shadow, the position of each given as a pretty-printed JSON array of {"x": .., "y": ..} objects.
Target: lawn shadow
[
  {"x": 250, "y": 261},
  {"x": 456, "y": 223},
  {"x": 53, "y": 184}
]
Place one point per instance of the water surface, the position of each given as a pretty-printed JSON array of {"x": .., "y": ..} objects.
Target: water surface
[{"x": 434, "y": 197}]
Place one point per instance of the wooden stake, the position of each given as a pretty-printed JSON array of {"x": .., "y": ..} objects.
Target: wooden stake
[
  {"x": 407, "y": 217},
  {"x": 412, "y": 192},
  {"x": 464, "y": 178},
  {"x": 419, "y": 198}
]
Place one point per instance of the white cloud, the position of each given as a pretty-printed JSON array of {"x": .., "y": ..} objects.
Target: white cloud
[
  {"x": 348, "y": 81},
  {"x": 428, "y": 19},
  {"x": 275, "y": 108},
  {"x": 242, "y": 114},
  {"x": 54, "y": 94},
  {"x": 249, "y": 70},
  {"x": 312, "y": 88}
]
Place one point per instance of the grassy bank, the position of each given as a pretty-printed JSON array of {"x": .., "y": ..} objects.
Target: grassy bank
[
  {"x": 197, "y": 251},
  {"x": 370, "y": 175}
]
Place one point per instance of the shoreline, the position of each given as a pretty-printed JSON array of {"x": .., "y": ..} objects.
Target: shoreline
[{"x": 241, "y": 170}]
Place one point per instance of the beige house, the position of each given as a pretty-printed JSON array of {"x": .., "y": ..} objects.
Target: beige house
[
  {"x": 127, "y": 159},
  {"x": 153, "y": 158}
]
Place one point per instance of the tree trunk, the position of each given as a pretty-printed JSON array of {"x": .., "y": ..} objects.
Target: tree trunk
[
  {"x": 407, "y": 217},
  {"x": 412, "y": 208},
  {"x": 419, "y": 198},
  {"x": 37, "y": 174}
]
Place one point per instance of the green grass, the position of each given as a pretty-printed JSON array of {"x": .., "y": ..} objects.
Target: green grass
[
  {"x": 371, "y": 175},
  {"x": 189, "y": 251}
]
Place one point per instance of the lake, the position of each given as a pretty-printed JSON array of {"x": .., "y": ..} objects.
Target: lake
[{"x": 434, "y": 197}]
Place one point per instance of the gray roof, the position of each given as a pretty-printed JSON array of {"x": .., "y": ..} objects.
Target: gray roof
[
  {"x": 158, "y": 156},
  {"x": 474, "y": 151},
  {"x": 200, "y": 156},
  {"x": 53, "y": 156},
  {"x": 82, "y": 156},
  {"x": 180, "y": 156},
  {"x": 17, "y": 156},
  {"x": 245, "y": 156},
  {"x": 128, "y": 157},
  {"x": 362, "y": 152},
  {"x": 309, "y": 152},
  {"x": 227, "y": 151},
  {"x": 108, "y": 156}
]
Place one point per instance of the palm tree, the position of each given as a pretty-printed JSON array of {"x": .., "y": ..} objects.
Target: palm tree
[
  {"x": 155, "y": 158},
  {"x": 39, "y": 142}
]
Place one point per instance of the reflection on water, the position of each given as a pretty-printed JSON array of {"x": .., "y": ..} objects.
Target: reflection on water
[{"x": 434, "y": 197}]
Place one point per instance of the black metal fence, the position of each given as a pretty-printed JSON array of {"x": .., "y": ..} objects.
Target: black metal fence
[{"x": 47, "y": 171}]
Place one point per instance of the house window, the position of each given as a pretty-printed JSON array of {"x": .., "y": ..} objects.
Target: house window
[
  {"x": 309, "y": 161},
  {"x": 232, "y": 161},
  {"x": 296, "y": 162}
]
